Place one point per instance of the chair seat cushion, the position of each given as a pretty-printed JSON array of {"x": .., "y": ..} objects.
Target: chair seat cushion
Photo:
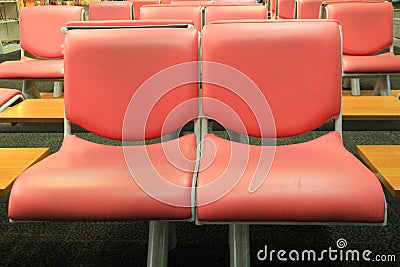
[
  {"x": 7, "y": 94},
  {"x": 89, "y": 181},
  {"x": 383, "y": 63},
  {"x": 316, "y": 181},
  {"x": 32, "y": 69}
]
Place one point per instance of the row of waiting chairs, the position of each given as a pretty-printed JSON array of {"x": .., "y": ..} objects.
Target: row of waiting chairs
[
  {"x": 200, "y": 14},
  {"x": 106, "y": 10},
  {"x": 141, "y": 83},
  {"x": 367, "y": 29},
  {"x": 363, "y": 37},
  {"x": 41, "y": 37},
  {"x": 299, "y": 9},
  {"x": 360, "y": 39}
]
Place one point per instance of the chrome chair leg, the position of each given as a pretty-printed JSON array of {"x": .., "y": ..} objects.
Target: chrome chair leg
[
  {"x": 158, "y": 244},
  {"x": 239, "y": 245},
  {"x": 355, "y": 86}
]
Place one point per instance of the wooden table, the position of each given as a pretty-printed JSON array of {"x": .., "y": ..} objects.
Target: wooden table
[
  {"x": 394, "y": 93},
  {"x": 370, "y": 108},
  {"x": 35, "y": 110},
  {"x": 13, "y": 161},
  {"x": 385, "y": 161}
]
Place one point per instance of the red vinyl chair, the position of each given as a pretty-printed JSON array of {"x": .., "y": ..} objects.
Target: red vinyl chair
[
  {"x": 111, "y": 10},
  {"x": 10, "y": 97},
  {"x": 248, "y": 88},
  {"x": 363, "y": 40},
  {"x": 213, "y": 13},
  {"x": 286, "y": 9},
  {"x": 86, "y": 181},
  {"x": 137, "y": 4},
  {"x": 311, "y": 9},
  {"x": 192, "y": 3},
  {"x": 40, "y": 36},
  {"x": 109, "y": 24},
  {"x": 193, "y": 13},
  {"x": 308, "y": 9}
]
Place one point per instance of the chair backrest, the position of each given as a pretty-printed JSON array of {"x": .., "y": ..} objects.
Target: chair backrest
[
  {"x": 213, "y": 13},
  {"x": 367, "y": 26},
  {"x": 193, "y": 13},
  {"x": 191, "y": 3},
  {"x": 308, "y": 9},
  {"x": 96, "y": 24},
  {"x": 40, "y": 28},
  {"x": 137, "y": 4},
  {"x": 102, "y": 76},
  {"x": 294, "y": 67},
  {"x": 110, "y": 10},
  {"x": 286, "y": 9}
]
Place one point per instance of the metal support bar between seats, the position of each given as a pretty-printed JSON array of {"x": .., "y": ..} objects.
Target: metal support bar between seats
[
  {"x": 158, "y": 244},
  {"x": 198, "y": 130},
  {"x": 239, "y": 245}
]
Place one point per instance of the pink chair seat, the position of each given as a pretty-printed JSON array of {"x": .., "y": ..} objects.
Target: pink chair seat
[
  {"x": 7, "y": 94},
  {"x": 88, "y": 181},
  {"x": 325, "y": 183},
  {"x": 32, "y": 69},
  {"x": 384, "y": 63}
]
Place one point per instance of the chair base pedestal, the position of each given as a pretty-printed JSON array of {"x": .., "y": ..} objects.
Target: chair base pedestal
[
  {"x": 239, "y": 245},
  {"x": 57, "y": 89},
  {"x": 382, "y": 86},
  {"x": 29, "y": 89},
  {"x": 158, "y": 244},
  {"x": 355, "y": 86}
]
